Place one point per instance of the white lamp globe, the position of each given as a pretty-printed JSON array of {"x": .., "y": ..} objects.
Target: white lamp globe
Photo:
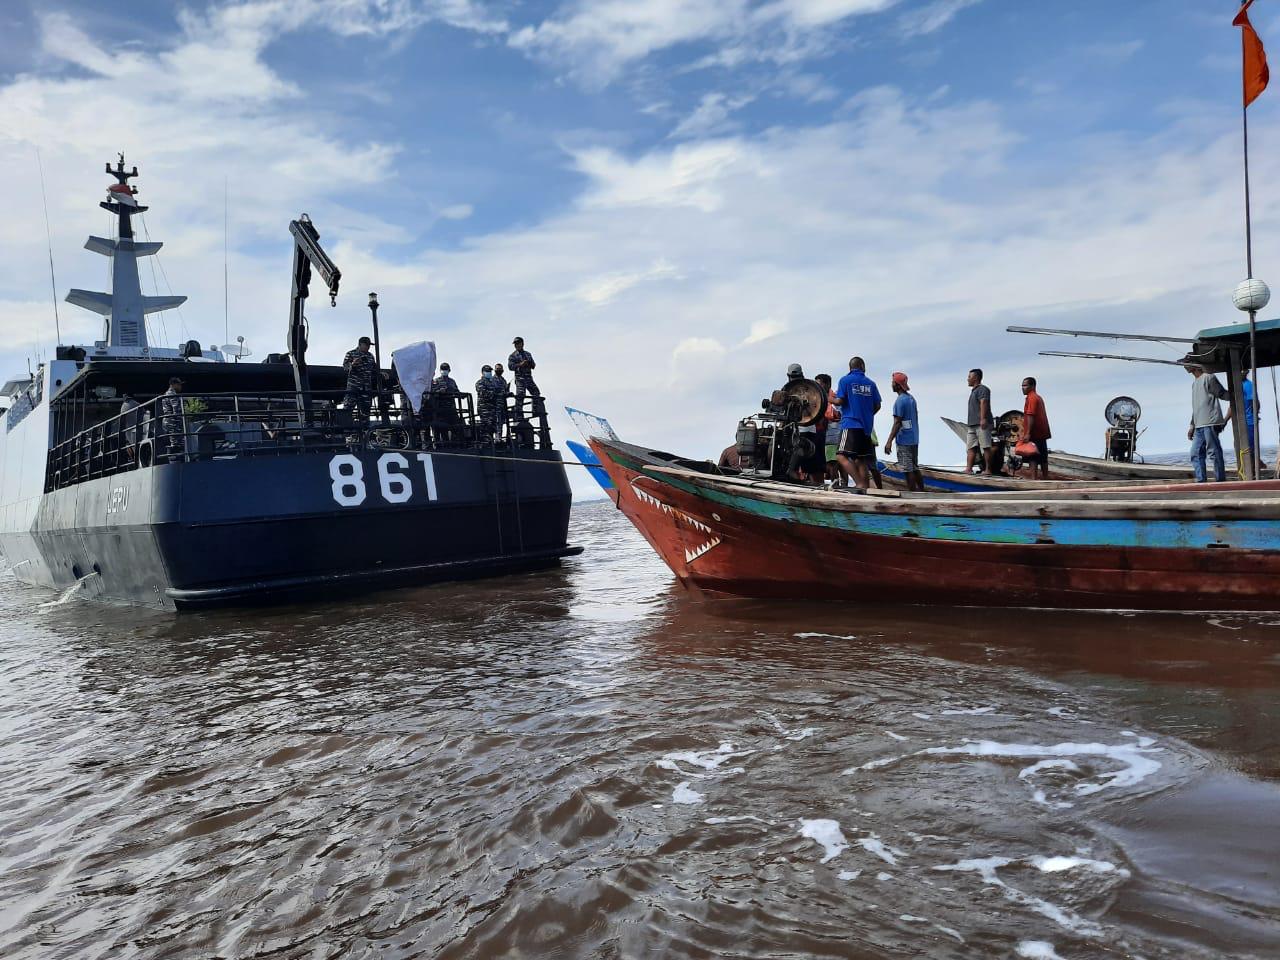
[{"x": 1251, "y": 295}]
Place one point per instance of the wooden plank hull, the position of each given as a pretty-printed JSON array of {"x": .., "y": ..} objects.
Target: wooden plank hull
[
  {"x": 1073, "y": 466},
  {"x": 1174, "y": 551}
]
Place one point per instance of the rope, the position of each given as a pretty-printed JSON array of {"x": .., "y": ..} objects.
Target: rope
[{"x": 481, "y": 456}]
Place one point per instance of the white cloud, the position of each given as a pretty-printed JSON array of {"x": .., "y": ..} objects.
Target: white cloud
[
  {"x": 765, "y": 329},
  {"x": 457, "y": 211},
  {"x": 596, "y": 39},
  {"x": 710, "y": 117},
  {"x": 932, "y": 17}
]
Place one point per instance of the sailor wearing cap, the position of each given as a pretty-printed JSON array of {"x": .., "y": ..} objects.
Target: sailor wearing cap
[
  {"x": 361, "y": 369},
  {"x": 489, "y": 394},
  {"x": 444, "y": 384},
  {"x": 171, "y": 419},
  {"x": 521, "y": 365}
]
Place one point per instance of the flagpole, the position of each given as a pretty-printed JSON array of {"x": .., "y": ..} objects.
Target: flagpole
[{"x": 1254, "y": 453}]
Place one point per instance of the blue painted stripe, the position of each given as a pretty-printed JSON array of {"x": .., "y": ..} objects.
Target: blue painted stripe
[
  {"x": 1163, "y": 534},
  {"x": 588, "y": 459},
  {"x": 935, "y": 483}
]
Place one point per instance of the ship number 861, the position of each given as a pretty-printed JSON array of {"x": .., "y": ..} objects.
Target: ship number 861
[{"x": 395, "y": 479}]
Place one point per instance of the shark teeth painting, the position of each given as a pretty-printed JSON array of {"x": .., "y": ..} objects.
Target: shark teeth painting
[{"x": 690, "y": 554}]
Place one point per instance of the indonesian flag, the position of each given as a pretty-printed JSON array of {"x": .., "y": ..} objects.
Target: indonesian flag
[{"x": 1256, "y": 73}]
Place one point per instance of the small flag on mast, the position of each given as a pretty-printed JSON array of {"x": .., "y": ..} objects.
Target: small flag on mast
[{"x": 1256, "y": 73}]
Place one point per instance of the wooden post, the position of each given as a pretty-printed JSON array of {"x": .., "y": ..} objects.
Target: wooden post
[{"x": 1239, "y": 431}]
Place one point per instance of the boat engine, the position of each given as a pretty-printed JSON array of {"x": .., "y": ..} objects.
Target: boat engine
[
  {"x": 1122, "y": 414},
  {"x": 771, "y": 443}
]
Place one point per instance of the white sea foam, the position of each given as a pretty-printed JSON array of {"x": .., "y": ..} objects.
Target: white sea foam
[
  {"x": 986, "y": 868},
  {"x": 738, "y": 819},
  {"x": 1138, "y": 764},
  {"x": 922, "y": 716},
  {"x": 1059, "y": 864},
  {"x": 682, "y": 794},
  {"x": 873, "y": 844},
  {"x": 706, "y": 759},
  {"x": 948, "y": 931},
  {"x": 884, "y": 876},
  {"x": 1055, "y": 763},
  {"x": 848, "y": 874},
  {"x": 896, "y": 736},
  {"x": 975, "y": 712},
  {"x": 828, "y": 834},
  {"x": 1037, "y": 950},
  {"x": 828, "y": 636},
  {"x": 802, "y": 734},
  {"x": 912, "y": 919}
]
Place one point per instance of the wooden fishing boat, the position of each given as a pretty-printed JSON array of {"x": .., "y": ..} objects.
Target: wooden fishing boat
[
  {"x": 1072, "y": 466},
  {"x": 1151, "y": 547},
  {"x": 956, "y": 480}
]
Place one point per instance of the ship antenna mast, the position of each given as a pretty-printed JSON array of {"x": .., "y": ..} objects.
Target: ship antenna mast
[{"x": 48, "y": 232}]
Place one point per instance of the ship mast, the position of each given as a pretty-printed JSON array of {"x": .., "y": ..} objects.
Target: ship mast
[{"x": 125, "y": 308}]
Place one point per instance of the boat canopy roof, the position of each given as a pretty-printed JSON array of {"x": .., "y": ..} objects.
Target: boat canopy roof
[
  {"x": 151, "y": 377},
  {"x": 1214, "y": 345}
]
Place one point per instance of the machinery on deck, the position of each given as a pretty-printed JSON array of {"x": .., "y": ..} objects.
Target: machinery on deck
[
  {"x": 783, "y": 435},
  {"x": 1122, "y": 415}
]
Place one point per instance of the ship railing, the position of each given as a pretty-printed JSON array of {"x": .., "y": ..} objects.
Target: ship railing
[{"x": 192, "y": 427}]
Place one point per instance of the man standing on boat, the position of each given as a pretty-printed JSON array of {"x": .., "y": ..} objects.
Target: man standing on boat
[
  {"x": 979, "y": 442},
  {"x": 1246, "y": 388},
  {"x": 488, "y": 398},
  {"x": 171, "y": 419},
  {"x": 1207, "y": 422},
  {"x": 906, "y": 432},
  {"x": 361, "y": 369},
  {"x": 521, "y": 365},
  {"x": 859, "y": 401},
  {"x": 1035, "y": 428}
]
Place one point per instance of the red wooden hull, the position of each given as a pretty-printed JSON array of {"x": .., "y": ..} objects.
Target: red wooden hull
[{"x": 720, "y": 549}]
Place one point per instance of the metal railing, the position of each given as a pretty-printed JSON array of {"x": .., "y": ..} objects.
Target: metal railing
[{"x": 229, "y": 425}]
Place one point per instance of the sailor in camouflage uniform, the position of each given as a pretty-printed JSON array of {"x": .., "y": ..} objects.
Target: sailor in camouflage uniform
[
  {"x": 361, "y": 369},
  {"x": 444, "y": 409},
  {"x": 445, "y": 384},
  {"x": 171, "y": 417},
  {"x": 505, "y": 387},
  {"x": 521, "y": 364},
  {"x": 489, "y": 394}
]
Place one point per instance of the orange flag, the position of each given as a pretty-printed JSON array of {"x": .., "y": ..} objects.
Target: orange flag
[{"x": 1256, "y": 73}]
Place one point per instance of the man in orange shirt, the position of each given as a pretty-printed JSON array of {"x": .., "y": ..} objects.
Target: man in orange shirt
[{"x": 1035, "y": 428}]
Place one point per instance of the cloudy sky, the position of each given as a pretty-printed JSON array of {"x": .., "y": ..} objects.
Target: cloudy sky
[{"x": 669, "y": 199}]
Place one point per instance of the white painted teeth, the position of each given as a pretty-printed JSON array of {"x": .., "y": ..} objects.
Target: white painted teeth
[
  {"x": 692, "y": 555},
  {"x": 689, "y": 555}
]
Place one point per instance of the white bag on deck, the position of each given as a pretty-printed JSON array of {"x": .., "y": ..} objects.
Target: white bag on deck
[{"x": 416, "y": 367}]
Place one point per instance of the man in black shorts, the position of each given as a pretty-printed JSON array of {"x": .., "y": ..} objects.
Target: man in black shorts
[{"x": 859, "y": 400}]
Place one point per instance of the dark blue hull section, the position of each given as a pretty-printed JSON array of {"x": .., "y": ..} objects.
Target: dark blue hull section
[{"x": 267, "y": 529}]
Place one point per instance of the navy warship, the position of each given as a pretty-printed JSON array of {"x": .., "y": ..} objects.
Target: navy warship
[{"x": 259, "y": 481}]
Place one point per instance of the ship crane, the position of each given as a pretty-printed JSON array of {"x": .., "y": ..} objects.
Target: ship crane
[{"x": 307, "y": 253}]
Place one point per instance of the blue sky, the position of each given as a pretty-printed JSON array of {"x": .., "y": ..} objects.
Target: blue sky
[{"x": 670, "y": 201}]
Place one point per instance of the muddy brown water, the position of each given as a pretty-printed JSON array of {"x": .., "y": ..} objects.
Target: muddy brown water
[{"x": 591, "y": 763}]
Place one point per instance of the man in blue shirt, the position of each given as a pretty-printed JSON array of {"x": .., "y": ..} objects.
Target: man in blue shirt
[
  {"x": 907, "y": 432},
  {"x": 859, "y": 402},
  {"x": 1246, "y": 387}
]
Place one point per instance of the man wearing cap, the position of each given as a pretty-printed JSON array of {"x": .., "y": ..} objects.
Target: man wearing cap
[
  {"x": 1207, "y": 422},
  {"x": 361, "y": 369},
  {"x": 171, "y": 419},
  {"x": 521, "y": 365},
  {"x": 444, "y": 384},
  {"x": 805, "y": 464},
  {"x": 906, "y": 432},
  {"x": 489, "y": 396}
]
